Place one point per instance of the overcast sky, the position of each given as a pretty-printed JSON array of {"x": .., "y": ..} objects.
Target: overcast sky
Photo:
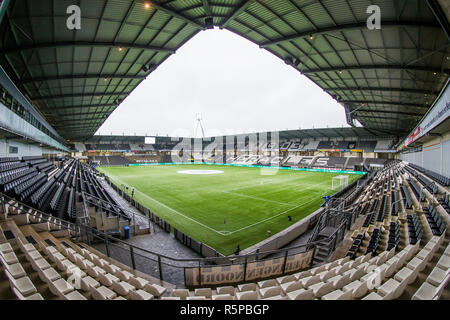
[{"x": 235, "y": 85}]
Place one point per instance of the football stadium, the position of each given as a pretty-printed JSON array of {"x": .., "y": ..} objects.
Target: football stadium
[{"x": 352, "y": 212}]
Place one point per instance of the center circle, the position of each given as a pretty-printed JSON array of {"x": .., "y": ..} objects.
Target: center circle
[{"x": 200, "y": 171}]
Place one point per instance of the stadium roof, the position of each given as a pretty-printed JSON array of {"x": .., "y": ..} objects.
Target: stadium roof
[
  {"x": 283, "y": 135},
  {"x": 386, "y": 79},
  {"x": 332, "y": 133}
]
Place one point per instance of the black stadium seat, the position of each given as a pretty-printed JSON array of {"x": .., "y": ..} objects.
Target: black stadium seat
[
  {"x": 414, "y": 228},
  {"x": 443, "y": 180}
]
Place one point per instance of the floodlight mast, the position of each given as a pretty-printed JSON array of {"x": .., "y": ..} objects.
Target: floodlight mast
[{"x": 199, "y": 122}]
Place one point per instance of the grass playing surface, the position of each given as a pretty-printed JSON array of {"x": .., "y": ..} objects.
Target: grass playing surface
[{"x": 223, "y": 210}]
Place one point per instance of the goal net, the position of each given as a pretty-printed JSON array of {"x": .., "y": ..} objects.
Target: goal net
[{"x": 339, "y": 182}]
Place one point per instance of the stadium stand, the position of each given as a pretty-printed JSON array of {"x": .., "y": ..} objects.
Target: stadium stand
[
  {"x": 56, "y": 192},
  {"x": 338, "y": 163},
  {"x": 144, "y": 158},
  {"x": 311, "y": 145},
  {"x": 383, "y": 145},
  {"x": 108, "y": 147},
  {"x": 307, "y": 161},
  {"x": 291, "y": 160},
  {"x": 118, "y": 160},
  {"x": 63, "y": 225},
  {"x": 80, "y": 147},
  {"x": 141, "y": 147},
  {"x": 375, "y": 162},
  {"x": 111, "y": 160},
  {"x": 102, "y": 278},
  {"x": 90, "y": 185},
  {"x": 396, "y": 258},
  {"x": 445, "y": 181},
  {"x": 353, "y": 161},
  {"x": 367, "y": 146},
  {"x": 330, "y": 162}
]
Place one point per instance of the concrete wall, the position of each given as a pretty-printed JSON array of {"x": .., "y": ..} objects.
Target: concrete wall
[
  {"x": 286, "y": 236},
  {"x": 446, "y": 155},
  {"x": 24, "y": 149},
  {"x": 434, "y": 156}
]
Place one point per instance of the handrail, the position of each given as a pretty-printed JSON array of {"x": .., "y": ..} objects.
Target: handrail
[
  {"x": 103, "y": 234},
  {"x": 17, "y": 204},
  {"x": 84, "y": 193},
  {"x": 85, "y": 210},
  {"x": 425, "y": 187},
  {"x": 341, "y": 207},
  {"x": 395, "y": 202}
]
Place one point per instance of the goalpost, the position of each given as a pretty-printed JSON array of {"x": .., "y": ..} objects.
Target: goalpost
[{"x": 339, "y": 182}]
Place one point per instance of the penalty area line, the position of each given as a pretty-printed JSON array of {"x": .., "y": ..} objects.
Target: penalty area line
[
  {"x": 223, "y": 232},
  {"x": 174, "y": 211},
  {"x": 277, "y": 215},
  {"x": 257, "y": 198}
]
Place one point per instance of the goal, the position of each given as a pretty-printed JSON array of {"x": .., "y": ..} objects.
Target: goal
[{"x": 339, "y": 182}]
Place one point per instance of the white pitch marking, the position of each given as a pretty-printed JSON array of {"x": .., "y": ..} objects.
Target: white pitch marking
[
  {"x": 293, "y": 204},
  {"x": 257, "y": 198},
  {"x": 287, "y": 184},
  {"x": 270, "y": 218},
  {"x": 264, "y": 183},
  {"x": 173, "y": 210},
  {"x": 200, "y": 172},
  {"x": 223, "y": 233}
]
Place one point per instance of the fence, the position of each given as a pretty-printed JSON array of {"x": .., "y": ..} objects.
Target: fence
[
  {"x": 250, "y": 268},
  {"x": 199, "y": 247},
  {"x": 195, "y": 245},
  {"x": 40, "y": 216},
  {"x": 212, "y": 271},
  {"x": 339, "y": 215},
  {"x": 145, "y": 211}
]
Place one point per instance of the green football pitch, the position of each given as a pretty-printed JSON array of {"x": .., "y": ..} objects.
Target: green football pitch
[{"x": 236, "y": 206}]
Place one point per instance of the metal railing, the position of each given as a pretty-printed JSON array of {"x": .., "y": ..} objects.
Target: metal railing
[
  {"x": 173, "y": 269},
  {"x": 159, "y": 265},
  {"x": 120, "y": 212},
  {"x": 40, "y": 215},
  {"x": 340, "y": 205}
]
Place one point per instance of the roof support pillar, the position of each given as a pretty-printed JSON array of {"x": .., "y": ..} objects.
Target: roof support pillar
[
  {"x": 3, "y": 7},
  {"x": 440, "y": 16}
]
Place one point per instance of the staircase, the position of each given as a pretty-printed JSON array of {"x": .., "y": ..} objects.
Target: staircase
[
  {"x": 366, "y": 167},
  {"x": 345, "y": 164},
  {"x": 321, "y": 253}
]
